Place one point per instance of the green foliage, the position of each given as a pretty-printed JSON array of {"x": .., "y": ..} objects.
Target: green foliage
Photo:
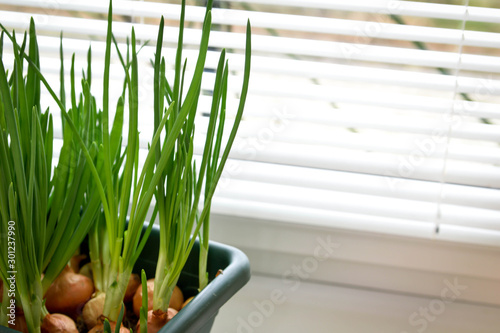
[
  {"x": 143, "y": 319},
  {"x": 183, "y": 186},
  {"x": 52, "y": 210}
]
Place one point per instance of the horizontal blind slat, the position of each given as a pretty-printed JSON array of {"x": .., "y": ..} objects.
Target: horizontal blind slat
[
  {"x": 410, "y": 8},
  {"x": 382, "y": 99},
  {"x": 299, "y": 130},
  {"x": 329, "y": 158},
  {"x": 322, "y": 218},
  {"x": 361, "y": 183},
  {"x": 373, "y": 205},
  {"x": 468, "y": 235}
]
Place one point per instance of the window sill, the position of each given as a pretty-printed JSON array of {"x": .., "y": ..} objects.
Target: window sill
[
  {"x": 404, "y": 265},
  {"x": 326, "y": 308}
]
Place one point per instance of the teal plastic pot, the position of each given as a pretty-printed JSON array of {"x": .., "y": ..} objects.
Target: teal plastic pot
[{"x": 199, "y": 315}]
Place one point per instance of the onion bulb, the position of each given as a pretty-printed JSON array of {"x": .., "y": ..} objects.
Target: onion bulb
[
  {"x": 92, "y": 310},
  {"x": 68, "y": 293},
  {"x": 87, "y": 271},
  {"x": 133, "y": 283},
  {"x": 58, "y": 323},
  {"x": 175, "y": 301},
  {"x": 74, "y": 262},
  {"x": 157, "y": 319},
  {"x": 187, "y": 302}
]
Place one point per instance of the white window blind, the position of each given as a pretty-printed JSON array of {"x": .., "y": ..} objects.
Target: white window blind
[{"x": 376, "y": 116}]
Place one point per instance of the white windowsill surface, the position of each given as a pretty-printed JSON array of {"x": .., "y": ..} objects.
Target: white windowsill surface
[
  {"x": 323, "y": 308},
  {"x": 370, "y": 283}
]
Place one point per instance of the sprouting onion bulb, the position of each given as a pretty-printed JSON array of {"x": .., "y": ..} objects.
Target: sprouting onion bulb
[
  {"x": 158, "y": 319},
  {"x": 99, "y": 328},
  {"x": 92, "y": 310},
  {"x": 176, "y": 300}
]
